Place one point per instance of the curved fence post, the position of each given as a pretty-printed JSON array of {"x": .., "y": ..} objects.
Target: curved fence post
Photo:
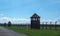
[
  {"x": 55, "y": 25},
  {"x": 50, "y": 25},
  {"x": 46, "y": 25},
  {"x": 42, "y": 25}
]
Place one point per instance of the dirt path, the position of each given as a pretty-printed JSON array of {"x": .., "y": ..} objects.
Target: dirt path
[{"x": 6, "y": 32}]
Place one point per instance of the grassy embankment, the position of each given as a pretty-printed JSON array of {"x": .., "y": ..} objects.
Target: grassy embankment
[{"x": 44, "y": 32}]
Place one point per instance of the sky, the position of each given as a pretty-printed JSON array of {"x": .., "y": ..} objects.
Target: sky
[{"x": 20, "y": 11}]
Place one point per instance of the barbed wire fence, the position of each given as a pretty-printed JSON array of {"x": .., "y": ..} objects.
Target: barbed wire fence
[{"x": 51, "y": 25}]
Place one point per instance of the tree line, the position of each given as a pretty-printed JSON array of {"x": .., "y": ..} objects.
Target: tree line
[{"x": 6, "y": 24}]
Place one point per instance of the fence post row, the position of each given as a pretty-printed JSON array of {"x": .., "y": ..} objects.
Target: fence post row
[{"x": 50, "y": 25}]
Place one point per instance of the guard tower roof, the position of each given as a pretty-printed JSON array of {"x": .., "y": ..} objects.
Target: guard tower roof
[{"x": 35, "y": 16}]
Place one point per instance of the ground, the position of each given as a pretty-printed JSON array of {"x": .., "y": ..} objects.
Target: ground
[
  {"x": 34, "y": 32},
  {"x": 6, "y": 32}
]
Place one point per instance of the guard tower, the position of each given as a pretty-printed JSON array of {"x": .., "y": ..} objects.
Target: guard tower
[{"x": 35, "y": 21}]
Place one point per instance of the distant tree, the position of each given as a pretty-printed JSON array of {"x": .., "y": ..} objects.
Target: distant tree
[
  {"x": 4, "y": 24},
  {"x": 9, "y": 24}
]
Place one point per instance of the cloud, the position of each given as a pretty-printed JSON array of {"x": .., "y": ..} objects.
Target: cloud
[
  {"x": 51, "y": 20},
  {"x": 14, "y": 20},
  {"x": 25, "y": 20}
]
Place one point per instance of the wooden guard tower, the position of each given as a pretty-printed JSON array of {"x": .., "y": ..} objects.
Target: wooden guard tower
[{"x": 35, "y": 21}]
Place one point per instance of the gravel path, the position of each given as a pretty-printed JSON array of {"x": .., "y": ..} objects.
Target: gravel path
[{"x": 6, "y": 32}]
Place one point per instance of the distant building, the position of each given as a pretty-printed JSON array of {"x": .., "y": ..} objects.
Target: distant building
[{"x": 35, "y": 21}]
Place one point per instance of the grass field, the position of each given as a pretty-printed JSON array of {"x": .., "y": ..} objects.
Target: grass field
[{"x": 33, "y": 32}]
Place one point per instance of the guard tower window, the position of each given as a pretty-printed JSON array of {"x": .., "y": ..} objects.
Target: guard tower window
[
  {"x": 38, "y": 19},
  {"x": 34, "y": 19}
]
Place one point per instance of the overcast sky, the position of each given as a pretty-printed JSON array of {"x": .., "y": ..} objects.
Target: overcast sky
[{"x": 20, "y": 11}]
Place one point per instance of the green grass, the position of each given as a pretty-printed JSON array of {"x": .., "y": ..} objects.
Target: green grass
[{"x": 33, "y": 32}]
